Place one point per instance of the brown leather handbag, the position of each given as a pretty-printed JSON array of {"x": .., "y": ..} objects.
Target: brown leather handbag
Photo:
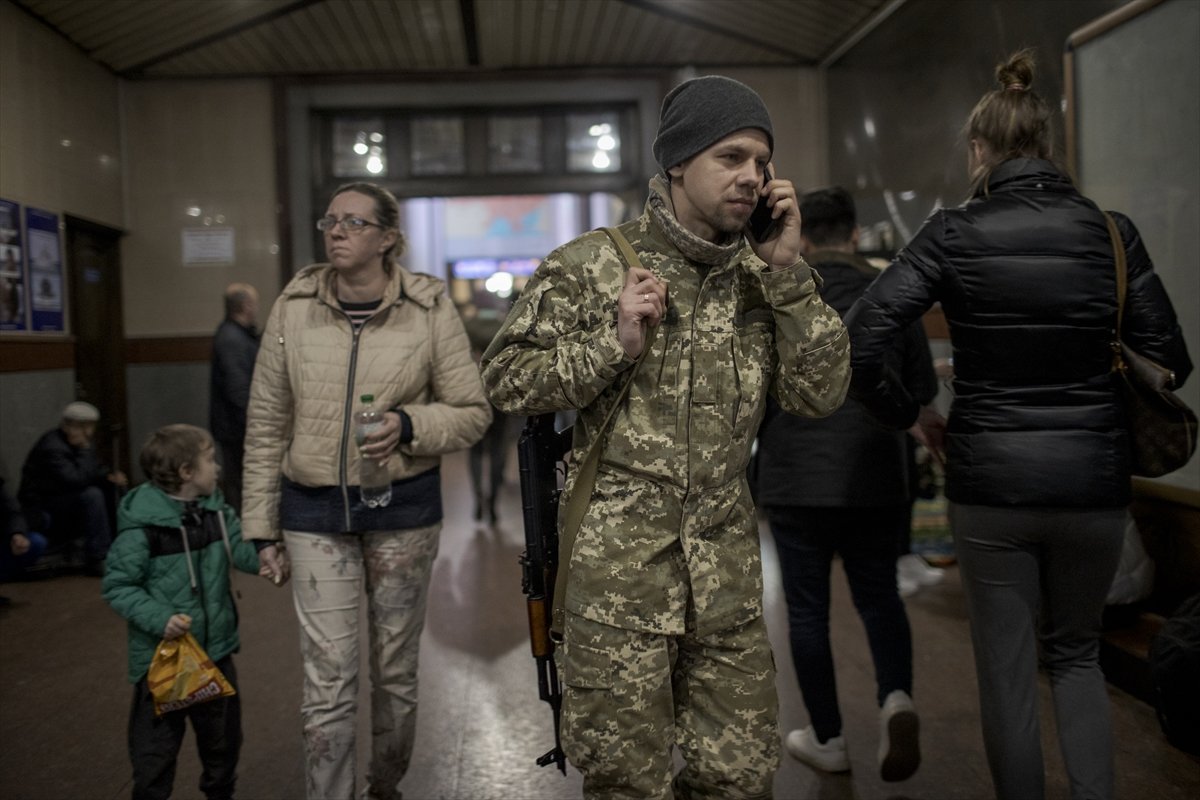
[{"x": 1162, "y": 429}]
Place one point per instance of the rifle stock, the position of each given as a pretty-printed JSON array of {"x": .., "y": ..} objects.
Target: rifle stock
[{"x": 541, "y": 451}]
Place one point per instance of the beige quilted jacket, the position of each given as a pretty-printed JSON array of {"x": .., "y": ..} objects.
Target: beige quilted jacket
[{"x": 312, "y": 369}]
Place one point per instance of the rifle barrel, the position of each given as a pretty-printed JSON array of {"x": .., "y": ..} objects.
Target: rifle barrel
[{"x": 540, "y": 450}]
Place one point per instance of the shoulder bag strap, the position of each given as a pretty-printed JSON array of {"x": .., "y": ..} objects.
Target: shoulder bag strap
[
  {"x": 585, "y": 478},
  {"x": 1122, "y": 269}
]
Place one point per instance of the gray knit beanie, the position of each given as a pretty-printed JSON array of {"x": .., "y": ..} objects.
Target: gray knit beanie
[{"x": 699, "y": 112}]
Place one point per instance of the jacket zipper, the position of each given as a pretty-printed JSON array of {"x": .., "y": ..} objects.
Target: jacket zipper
[
  {"x": 203, "y": 609},
  {"x": 347, "y": 421},
  {"x": 347, "y": 416},
  {"x": 200, "y": 582}
]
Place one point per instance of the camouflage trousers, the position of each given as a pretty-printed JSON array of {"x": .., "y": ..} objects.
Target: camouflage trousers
[
  {"x": 629, "y": 695},
  {"x": 329, "y": 572}
]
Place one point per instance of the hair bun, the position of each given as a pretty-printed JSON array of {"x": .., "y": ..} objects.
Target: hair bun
[{"x": 1016, "y": 74}]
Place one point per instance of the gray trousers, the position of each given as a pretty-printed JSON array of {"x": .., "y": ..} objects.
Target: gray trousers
[{"x": 1040, "y": 575}]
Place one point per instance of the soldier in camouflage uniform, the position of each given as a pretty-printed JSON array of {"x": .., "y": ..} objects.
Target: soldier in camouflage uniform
[{"x": 664, "y": 639}]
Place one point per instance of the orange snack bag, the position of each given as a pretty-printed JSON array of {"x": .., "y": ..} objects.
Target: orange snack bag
[{"x": 183, "y": 675}]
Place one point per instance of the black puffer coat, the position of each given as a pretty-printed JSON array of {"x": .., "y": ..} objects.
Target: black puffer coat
[
  {"x": 847, "y": 459},
  {"x": 1025, "y": 274}
]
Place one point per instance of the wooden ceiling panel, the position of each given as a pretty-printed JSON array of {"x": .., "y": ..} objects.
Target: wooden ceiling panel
[
  {"x": 74, "y": 18},
  {"x": 393, "y": 30},
  {"x": 199, "y": 38},
  {"x": 366, "y": 36},
  {"x": 122, "y": 34},
  {"x": 805, "y": 29},
  {"x": 149, "y": 34},
  {"x": 611, "y": 33}
]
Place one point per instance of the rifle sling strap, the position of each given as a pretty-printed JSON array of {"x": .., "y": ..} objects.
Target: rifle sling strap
[{"x": 585, "y": 478}]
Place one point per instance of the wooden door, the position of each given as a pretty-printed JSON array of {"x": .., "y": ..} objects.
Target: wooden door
[{"x": 97, "y": 322}]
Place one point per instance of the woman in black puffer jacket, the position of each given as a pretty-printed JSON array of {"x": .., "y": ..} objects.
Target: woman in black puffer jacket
[{"x": 1036, "y": 448}]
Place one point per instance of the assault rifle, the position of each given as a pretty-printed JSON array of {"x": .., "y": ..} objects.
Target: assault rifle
[{"x": 542, "y": 452}]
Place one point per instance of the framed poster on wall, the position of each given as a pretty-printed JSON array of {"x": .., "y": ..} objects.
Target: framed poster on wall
[
  {"x": 13, "y": 305},
  {"x": 47, "y": 287}
]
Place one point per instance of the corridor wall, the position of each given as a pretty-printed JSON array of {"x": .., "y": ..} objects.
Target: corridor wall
[{"x": 60, "y": 151}]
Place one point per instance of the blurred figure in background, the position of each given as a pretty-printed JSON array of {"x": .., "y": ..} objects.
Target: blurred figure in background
[
  {"x": 840, "y": 486},
  {"x": 482, "y": 325},
  {"x": 1036, "y": 451},
  {"x": 912, "y": 570},
  {"x": 235, "y": 346},
  {"x": 66, "y": 492}
]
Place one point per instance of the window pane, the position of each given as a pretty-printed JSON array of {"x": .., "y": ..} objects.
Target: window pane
[
  {"x": 358, "y": 148},
  {"x": 514, "y": 144},
  {"x": 437, "y": 146},
  {"x": 593, "y": 142}
]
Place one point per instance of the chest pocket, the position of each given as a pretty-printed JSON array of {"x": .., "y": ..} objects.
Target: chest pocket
[
  {"x": 754, "y": 332},
  {"x": 665, "y": 392}
]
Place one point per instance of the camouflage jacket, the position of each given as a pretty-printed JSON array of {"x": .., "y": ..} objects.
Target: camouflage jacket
[{"x": 670, "y": 539}]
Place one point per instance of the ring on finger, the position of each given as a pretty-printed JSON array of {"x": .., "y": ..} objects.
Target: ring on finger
[{"x": 646, "y": 298}]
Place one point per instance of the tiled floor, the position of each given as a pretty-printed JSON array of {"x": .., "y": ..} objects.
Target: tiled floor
[{"x": 64, "y": 700}]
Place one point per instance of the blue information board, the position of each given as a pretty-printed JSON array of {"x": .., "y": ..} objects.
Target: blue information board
[{"x": 47, "y": 292}]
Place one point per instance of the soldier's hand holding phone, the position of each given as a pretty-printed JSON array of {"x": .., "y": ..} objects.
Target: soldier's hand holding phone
[{"x": 774, "y": 227}]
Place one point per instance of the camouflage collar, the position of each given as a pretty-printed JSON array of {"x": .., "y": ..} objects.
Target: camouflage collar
[{"x": 701, "y": 251}]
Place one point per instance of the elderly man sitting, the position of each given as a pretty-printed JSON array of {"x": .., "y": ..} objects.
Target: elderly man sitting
[{"x": 64, "y": 489}]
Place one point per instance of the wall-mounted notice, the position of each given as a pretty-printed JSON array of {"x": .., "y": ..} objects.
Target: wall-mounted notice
[
  {"x": 45, "y": 271},
  {"x": 206, "y": 247},
  {"x": 12, "y": 269}
]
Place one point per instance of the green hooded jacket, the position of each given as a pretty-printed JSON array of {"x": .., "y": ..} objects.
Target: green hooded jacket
[{"x": 155, "y": 570}]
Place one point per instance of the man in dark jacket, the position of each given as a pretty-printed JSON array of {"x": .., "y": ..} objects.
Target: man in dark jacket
[
  {"x": 840, "y": 485},
  {"x": 235, "y": 348},
  {"x": 65, "y": 491}
]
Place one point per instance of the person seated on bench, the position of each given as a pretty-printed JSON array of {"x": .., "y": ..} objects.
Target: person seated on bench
[{"x": 66, "y": 492}]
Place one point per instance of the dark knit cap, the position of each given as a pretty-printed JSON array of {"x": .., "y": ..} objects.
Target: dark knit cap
[{"x": 700, "y": 112}]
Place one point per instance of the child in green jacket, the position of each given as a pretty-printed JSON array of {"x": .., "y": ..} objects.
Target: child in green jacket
[{"x": 167, "y": 574}]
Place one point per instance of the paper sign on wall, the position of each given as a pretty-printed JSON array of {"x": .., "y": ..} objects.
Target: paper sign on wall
[{"x": 206, "y": 247}]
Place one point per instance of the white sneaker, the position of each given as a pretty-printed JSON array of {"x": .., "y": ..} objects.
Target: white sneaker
[
  {"x": 802, "y": 745},
  {"x": 905, "y": 585},
  {"x": 915, "y": 568},
  {"x": 899, "y": 737}
]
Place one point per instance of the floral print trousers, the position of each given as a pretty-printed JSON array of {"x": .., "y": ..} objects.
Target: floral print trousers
[{"x": 329, "y": 573}]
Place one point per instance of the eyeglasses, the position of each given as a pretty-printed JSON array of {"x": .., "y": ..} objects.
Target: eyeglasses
[{"x": 348, "y": 224}]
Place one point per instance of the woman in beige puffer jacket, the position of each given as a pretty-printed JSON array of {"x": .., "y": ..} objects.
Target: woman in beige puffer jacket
[{"x": 360, "y": 324}]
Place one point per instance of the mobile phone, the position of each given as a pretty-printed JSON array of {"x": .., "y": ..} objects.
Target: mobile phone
[{"x": 761, "y": 225}]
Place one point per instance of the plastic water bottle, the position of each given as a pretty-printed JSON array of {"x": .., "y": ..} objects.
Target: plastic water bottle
[{"x": 373, "y": 482}]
